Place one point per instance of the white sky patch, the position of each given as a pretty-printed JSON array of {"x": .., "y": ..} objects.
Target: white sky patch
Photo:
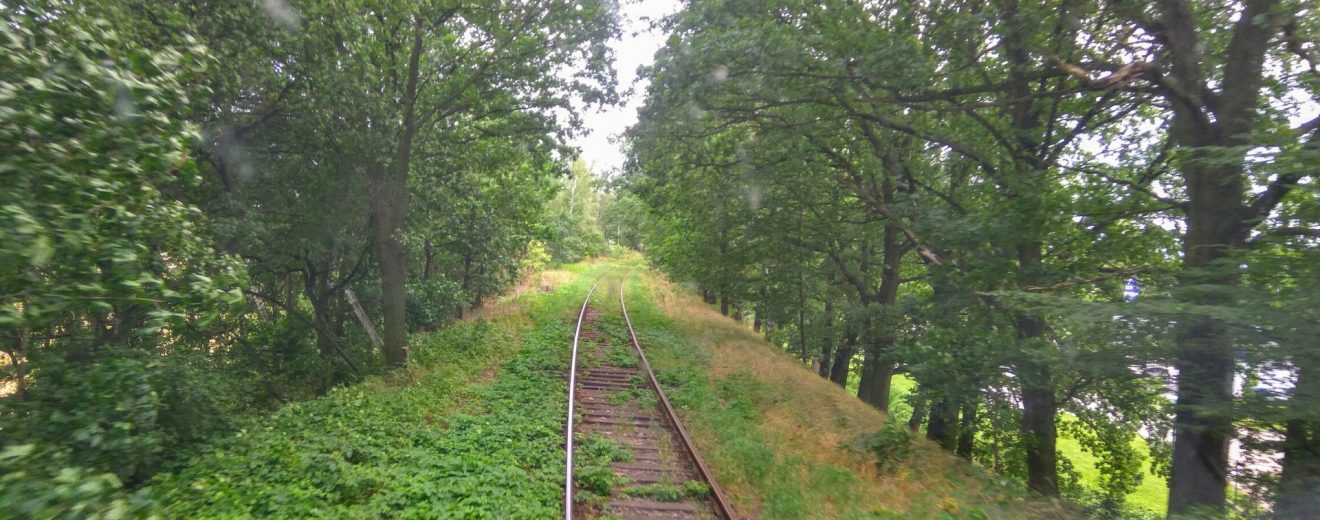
[
  {"x": 282, "y": 12},
  {"x": 636, "y": 48}
]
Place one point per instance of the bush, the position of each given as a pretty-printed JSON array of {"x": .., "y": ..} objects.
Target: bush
[
  {"x": 433, "y": 304},
  {"x": 536, "y": 259},
  {"x": 891, "y": 446},
  {"x": 128, "y": 413},
  {"x": 1103, "y": 507},
  {"x": 36, "y": 483}
]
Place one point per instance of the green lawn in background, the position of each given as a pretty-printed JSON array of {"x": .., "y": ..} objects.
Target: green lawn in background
[{"x": 1152, "y": 494}]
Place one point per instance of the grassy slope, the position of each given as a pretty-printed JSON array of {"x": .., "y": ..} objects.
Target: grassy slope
[
  {"x": 782, "y": 440},
  {"x": 475, "y": 431}
]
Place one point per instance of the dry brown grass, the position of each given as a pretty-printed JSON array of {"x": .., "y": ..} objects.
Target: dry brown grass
[{"x": 811, "y": 418}]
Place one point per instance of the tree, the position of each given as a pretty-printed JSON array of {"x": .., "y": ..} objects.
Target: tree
[
  {"x": 1016, "y": 170},
  {"x": 110, "y": 289},
  {"x": 1211, "y": 130}
]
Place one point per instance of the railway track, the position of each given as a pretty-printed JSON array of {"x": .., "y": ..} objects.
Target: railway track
[{"x": 614, "y": 394}]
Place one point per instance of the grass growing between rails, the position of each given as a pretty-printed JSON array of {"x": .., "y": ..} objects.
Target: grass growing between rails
[
  {"x": 474, "y": 431},
  {"x": 785, "y": 443}
]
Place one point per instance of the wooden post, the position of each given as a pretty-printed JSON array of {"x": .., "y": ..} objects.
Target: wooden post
[{"x": 362, "y": 317}]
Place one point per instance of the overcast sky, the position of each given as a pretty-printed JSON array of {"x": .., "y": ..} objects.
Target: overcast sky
[{"x": 636, "y": 48}]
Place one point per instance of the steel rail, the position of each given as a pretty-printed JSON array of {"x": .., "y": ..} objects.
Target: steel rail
[
  {"x": 572, "y": 385},
  {"x": 721, "y": 502}
]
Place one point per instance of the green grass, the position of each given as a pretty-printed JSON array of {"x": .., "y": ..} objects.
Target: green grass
[
  {"x": 475, "y": 431},
  {"x": 738, "y": 422},
  {"x": 729, "y": 409},
  {"x": 1152, "y": 494}
]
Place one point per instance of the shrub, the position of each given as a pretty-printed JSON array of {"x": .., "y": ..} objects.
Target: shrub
[
  {"x": 696, "y": 489},
  {"x": 43, "y": 483},
  {"x": 125, "y": 412},
  {"x": 891, "y": 446},
  {"x": 433, "y": 303},
  {"x": 536, "y": 259}
]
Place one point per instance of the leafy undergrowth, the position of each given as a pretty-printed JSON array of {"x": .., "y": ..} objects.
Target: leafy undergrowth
[
  {"x": 474, "y": 431},
  {"x": 785, "y": 443}
]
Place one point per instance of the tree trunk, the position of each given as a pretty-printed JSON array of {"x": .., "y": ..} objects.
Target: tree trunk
[
  {"x": 802, "y": 328},
  {"x": 940, "y": 427},
  {"x": 326, "y": 344},
  {"x": 877, "y": 380},
  {"x": 967, "y": 429},
  {"x": 878, "y": 372},
  {"x": 392, "y": 259},
  {"x": 318, "y": 295},
  {"x": 842, "y": 360},
  {"x": 479, "y": 297},
  {"x": 1218, "y": 222},
  {"x": 1039, "y": 404},
  {"x": 918, "y": 414},
  {"x": 1038, "y": 432},
  {"x": 18, "y": 359},
  {"x": 1298, "y": 495},
  {"x": 1203, "y": 424},
  {"x": 878, "y": 367},
  {"x": 1024, "y": 187},
  {"x": 390, "y": 208},
  {"x": 428, "y": 261},
  {"x": 758, "y": 319},
  {"x": 826, "y": 340},
  {"x": 290, "y": 292},
  {"x": 1039, "y": 408}
]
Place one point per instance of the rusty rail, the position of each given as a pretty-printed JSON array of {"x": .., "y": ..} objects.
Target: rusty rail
[
  {"x": 572, "y": 385},
  {"x": 721, "y": 502}
]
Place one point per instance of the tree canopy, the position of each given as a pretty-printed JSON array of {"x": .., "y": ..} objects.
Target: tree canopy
[
  {"x": 958, "y": 193},
  {"x": 1077, "y": 222}
]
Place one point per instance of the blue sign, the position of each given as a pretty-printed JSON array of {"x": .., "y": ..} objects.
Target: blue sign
[{"x": 1131, "y": 289}]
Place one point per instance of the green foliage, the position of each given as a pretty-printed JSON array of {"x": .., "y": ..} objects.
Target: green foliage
[
  {"x": 891, "y": 446},
  {"x": 946, "y": 190},
  {"x": 1097, "y": 505},
  {"x": 111, "y": 290},
  {"x": 90, "y": 148},
  {"x": 442, "y": 441},
  {"x": 434, "y": 302},
  {"x": 696, "y": 489},
  {"x": 658, "y": 492},
  {"x": 128, "y": 414},
  {"x": 729, "y": 412},
  {"x": 47, "y": 484},
  {"x": 573, "y": 217},
  {"x": 191, "y": 188},
  {"x": 593, "y": 472},
  {"x": 623, "y": 220},
  {"x": 536, "y": 259}
]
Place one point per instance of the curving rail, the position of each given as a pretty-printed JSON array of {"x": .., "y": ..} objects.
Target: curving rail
[
  {"x": 721, "y": 502},
  {"x": 572, "y": 384},
  {"x": 718, "y": 502}
]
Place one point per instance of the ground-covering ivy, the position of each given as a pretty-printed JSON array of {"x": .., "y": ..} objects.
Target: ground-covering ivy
[{"x": 478, "y": 433}]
